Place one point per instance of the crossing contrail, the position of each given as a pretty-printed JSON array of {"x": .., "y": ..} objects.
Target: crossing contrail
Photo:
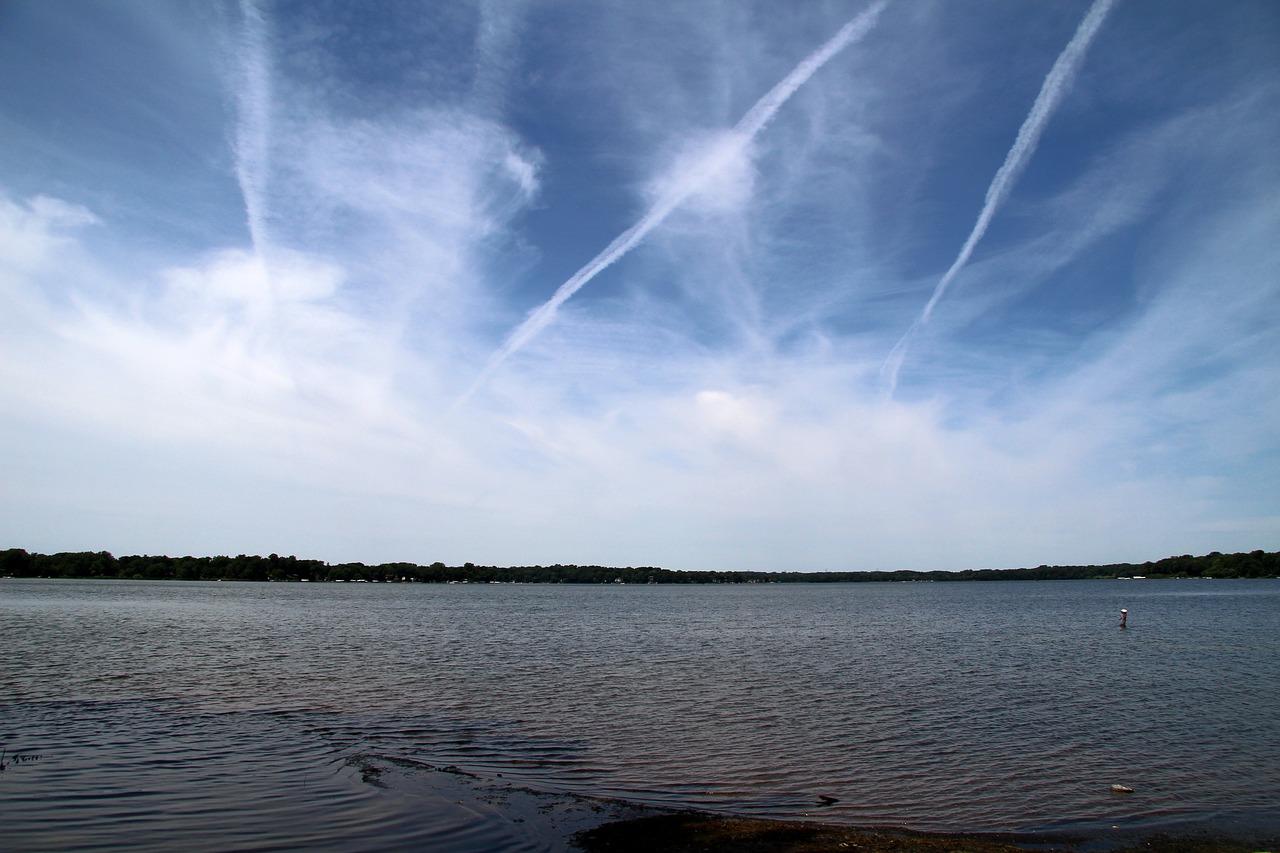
[
  {"x": 739, "y": 138},
  {"x": 1055, "y": 86}
]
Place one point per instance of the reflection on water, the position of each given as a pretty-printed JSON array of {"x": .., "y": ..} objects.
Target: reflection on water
[{"x": 160, "y": 708}]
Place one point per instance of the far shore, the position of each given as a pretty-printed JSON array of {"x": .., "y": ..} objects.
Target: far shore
[{"x": 88, "y": 565}]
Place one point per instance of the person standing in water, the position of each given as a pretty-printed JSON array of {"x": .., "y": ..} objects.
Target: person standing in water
[{"x": 1124, "y": 616}]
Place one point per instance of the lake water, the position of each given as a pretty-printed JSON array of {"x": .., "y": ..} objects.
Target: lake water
[{"x": 317, "y": 716}]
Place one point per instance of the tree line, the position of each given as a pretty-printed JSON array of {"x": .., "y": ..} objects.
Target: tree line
[{"x": 17, "y": 562}]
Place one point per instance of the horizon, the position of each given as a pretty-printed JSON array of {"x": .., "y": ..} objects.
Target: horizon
[{"x": 865, "y": 285}]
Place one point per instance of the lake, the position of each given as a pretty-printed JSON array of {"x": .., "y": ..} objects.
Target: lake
[{"x": 498, "y": 717}]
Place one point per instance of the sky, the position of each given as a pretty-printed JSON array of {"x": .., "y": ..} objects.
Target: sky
[{"x": 707, "y": 285}]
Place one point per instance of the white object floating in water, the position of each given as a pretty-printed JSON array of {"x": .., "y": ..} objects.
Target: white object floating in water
[{"x": 1122, "y": 789}]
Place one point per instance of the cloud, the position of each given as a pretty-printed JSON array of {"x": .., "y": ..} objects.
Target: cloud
[
  {"x": 713, "y": 173},
  {"x": 1101, "y": 386},
  {"x": 31, "y": 233}
]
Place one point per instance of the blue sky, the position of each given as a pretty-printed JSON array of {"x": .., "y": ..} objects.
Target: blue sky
[{"x": 315, "y": 278}]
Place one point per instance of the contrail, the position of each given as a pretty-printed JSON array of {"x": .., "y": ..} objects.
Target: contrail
[
  {"x": 495, "y": 58},
  {"x": 1055, "y": 86},
  {"x": 253, "y": 121},
  {"x": 739, "y": 138}
]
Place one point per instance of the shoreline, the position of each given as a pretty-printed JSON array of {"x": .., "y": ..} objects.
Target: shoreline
[
  {"x": 578, "y": 823},
  {"x": 698, "y": 833}
]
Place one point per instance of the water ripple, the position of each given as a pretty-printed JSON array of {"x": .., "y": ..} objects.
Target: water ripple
[{"x": 977, "y": 707}]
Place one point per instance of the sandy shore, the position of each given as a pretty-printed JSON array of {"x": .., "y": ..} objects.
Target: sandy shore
[
  {"x": 700, "y": 833},
  {"x": 487, "y": 812}
]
